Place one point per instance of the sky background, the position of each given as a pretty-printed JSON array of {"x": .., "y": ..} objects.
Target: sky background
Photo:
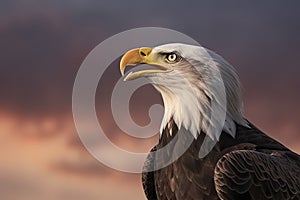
[{"x": 43, "y": 43}]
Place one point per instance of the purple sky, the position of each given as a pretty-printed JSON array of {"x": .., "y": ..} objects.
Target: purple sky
[{"x": 44, "y": 42}]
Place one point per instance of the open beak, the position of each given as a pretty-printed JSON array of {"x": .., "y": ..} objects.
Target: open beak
[{"x": 141, "y": 56}]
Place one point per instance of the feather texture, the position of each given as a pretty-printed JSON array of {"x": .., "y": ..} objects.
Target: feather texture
[
  {"x": 249, "y": 166},
  {"x": 200, "y": 92},
  {"x": 244, "y": 163}
]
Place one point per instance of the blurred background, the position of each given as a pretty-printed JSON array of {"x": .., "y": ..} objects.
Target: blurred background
[{"x": 44, "y": 42}]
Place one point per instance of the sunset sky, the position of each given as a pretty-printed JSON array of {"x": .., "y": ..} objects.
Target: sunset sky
[{"x": 43, "y": 44}]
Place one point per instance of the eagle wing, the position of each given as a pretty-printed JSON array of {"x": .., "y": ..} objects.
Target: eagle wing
[
  {"x": 148, "y": 177},
  {"x": 252, "y": 174}
]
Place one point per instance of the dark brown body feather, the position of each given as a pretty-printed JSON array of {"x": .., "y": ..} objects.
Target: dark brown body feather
[{"x": 249, "y": 166}]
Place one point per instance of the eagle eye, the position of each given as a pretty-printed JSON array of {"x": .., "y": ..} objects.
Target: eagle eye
[{"x": 172, "y": 57}]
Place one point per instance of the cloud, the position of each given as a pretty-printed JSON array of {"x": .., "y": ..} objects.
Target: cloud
[
  {"x": 82, "y": 165},
  {"x": 29, "y": 185},
  {"x": 34, "y": 167}
]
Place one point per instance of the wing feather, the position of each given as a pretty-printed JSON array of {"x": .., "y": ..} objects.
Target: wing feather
[
  {"x": 148, "y": 177},
  {"x": 257, "y": 175}
]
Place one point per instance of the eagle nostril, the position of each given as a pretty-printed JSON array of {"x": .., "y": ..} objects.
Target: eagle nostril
[{"x": 142, "y": 53}]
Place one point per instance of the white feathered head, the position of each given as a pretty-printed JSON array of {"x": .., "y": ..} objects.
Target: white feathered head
[{"x": 196, "y": 85}]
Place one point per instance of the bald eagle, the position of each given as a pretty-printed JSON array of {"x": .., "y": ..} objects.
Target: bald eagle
[{"x": 243, "y": 162}]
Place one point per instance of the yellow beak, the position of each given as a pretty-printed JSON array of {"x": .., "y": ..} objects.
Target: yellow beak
[{"x": 140, "y": 56}]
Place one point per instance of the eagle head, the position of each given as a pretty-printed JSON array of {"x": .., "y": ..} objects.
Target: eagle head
[{"x": 191, "y": 79}]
